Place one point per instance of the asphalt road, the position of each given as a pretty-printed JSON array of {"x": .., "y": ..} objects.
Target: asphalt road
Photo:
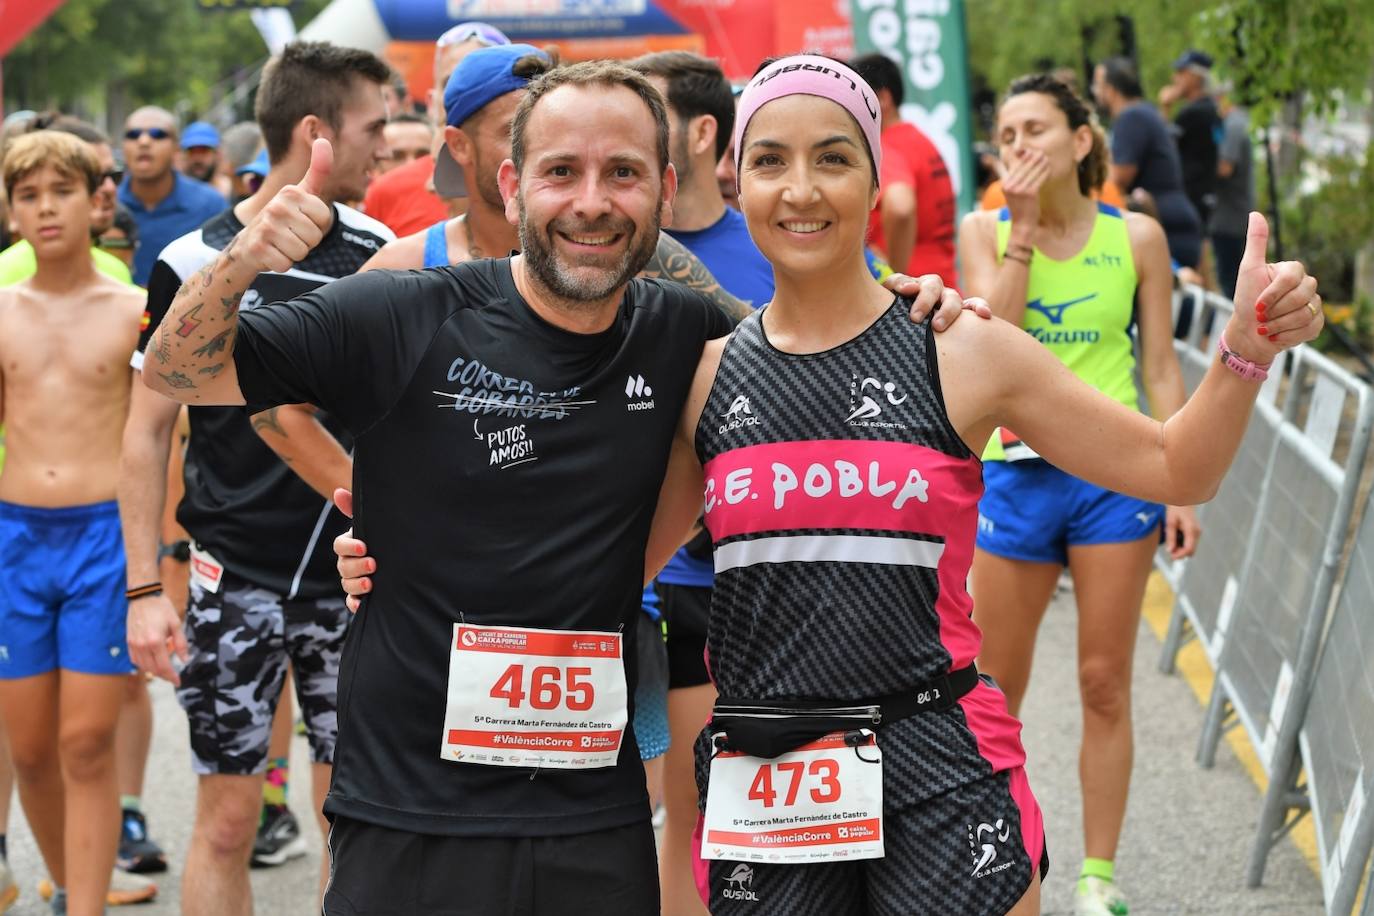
[{"x": 1186, "y": 839}]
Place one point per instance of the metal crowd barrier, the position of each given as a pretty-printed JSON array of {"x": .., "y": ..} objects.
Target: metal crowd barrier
[
  {"x": 1277, "y": 616},
  {"x": 1336, "y": 739},
  {"x": 1203, "y": 597}
]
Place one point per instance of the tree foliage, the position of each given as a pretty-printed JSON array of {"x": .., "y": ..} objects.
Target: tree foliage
[
  {"x": 165, "y": 52},
  {"x": 1269, "y": 49}
]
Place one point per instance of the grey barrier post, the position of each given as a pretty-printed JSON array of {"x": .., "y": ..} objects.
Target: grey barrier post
[
  {"x": 1336, "y": 736},
  {"x": 1266, "y": 665},
  {"x": 1204, "y": 585}
]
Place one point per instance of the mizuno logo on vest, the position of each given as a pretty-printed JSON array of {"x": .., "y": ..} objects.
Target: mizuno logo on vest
[{"x": 1055, "y": 311}]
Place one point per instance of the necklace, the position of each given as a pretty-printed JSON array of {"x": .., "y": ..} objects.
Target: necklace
[{"x": 474, "y": 253}]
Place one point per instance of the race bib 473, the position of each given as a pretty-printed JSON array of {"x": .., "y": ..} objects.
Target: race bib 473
[{"x": 822, "y": 802}]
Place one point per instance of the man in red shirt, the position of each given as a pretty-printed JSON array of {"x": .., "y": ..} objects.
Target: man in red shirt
[
  {"x": 913, "y": 224},
  {"x": 404, "y": 198}
]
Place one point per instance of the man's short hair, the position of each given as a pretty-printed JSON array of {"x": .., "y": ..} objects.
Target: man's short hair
[
  {"x": 1120, "y": 73},
  {"x": 310, "y": 78},
  {"x": 69, "y": 155},
  {"x": 590, "y": 73},
  {"x": 67, "y": 124},
  {"x": 696, "y": 86},
  {"x": 881, "y": 72},
  {"x": 240, "y": 144},
  {"x": 410, "y": 117}
]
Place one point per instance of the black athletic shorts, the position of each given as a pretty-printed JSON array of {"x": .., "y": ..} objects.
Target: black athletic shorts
[
  {"x": 377, "y": 871},
  {"x": 686, "y": 611}
]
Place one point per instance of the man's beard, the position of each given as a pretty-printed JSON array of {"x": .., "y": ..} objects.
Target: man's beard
[
  {"x": 201, "y": 171},
  {"x": 484, "y": 182},
  {"x": 558, "y": 278}
]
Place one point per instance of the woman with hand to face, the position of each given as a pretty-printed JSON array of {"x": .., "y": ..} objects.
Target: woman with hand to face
[
  {"x": 1080, "y": 277},
  {"x": 856, "y": 762}
]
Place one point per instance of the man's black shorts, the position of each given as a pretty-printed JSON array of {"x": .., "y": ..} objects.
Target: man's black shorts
[
  {"x": 378, "y": 871},
  {"x": 686, "y": 611}
]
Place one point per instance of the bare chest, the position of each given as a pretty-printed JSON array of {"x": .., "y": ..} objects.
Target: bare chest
[{"x": 55, "y": 355}]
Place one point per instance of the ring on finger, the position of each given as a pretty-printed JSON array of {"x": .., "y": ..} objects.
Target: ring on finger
[{"x": 1312, "y": 308}]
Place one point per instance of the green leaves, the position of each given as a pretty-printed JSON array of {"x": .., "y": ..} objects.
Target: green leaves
[
  {"x": 1268, "y": 49},
  {"x": 119, "y": 54}
]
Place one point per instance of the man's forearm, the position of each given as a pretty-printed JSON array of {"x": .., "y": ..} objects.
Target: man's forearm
[
  {"x": 298, "y": 438},
  {"x": 194, "y": 343},
  {"x": 901, "y": 239},
  {"x": 672, "y": 261}
]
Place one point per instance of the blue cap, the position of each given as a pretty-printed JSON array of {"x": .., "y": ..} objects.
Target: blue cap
[
  {"x": 257, "y": 166},
  {"x": 1193, "y": 59},
  {"x": 481, "y": 77},
  {"x": 200, "y": 133}
]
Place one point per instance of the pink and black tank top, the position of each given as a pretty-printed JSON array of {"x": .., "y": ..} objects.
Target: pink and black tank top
[{"x": 842, "y": 507}]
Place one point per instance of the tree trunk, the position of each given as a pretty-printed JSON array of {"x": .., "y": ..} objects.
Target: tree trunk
[{"x": 1364, "y": 258}]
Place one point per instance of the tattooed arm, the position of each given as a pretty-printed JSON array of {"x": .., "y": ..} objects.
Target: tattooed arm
[
  {"x": 193, "y": 347},
  {"x": 672, "y": 261},
  {"x": 295, "y": 433}
]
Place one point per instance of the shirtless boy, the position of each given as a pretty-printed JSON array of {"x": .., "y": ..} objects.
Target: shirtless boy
[{"x": 65, "y": 336}]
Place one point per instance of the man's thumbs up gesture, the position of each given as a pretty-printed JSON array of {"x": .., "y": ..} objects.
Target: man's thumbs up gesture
[{"x": 295, "y": 220}]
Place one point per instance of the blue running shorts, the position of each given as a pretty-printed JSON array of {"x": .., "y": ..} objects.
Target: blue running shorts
[
  {"x": 62, "y": 591},
  {"x": 1033, "y": 511}
]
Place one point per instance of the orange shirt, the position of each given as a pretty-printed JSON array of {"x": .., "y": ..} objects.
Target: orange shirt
[
  {"x": 401, "y": 200},
  {"x": 994, "y": 199}
]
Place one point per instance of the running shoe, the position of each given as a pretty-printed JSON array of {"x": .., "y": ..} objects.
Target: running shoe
[
  {"x": 1096, "y": 897},
  {"x": 137, "y": 852},
  {"x": 124, "y": 890},
  {"x": 9, "y": 891},
  {"x": 279, "y": 838}
]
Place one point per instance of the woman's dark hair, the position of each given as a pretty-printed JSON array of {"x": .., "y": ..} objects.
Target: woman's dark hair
[{"x": 1092, "y": 170}]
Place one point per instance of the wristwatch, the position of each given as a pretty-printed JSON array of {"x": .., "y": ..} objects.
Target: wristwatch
[
  {"x": 1246, "y": 369},
  {"x": 179, "y": 551}
]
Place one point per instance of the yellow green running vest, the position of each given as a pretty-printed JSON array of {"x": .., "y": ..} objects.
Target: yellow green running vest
[{"x": 1083, "y": 310}]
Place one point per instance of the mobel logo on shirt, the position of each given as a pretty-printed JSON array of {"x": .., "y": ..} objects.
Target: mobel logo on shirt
[{"x": 638, "y": 394}]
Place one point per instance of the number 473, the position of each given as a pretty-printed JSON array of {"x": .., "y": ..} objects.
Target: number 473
[{"x": 825, "y": 772}]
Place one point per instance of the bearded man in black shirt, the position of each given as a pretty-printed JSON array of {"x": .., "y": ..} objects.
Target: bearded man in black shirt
[{"x": 512, "y": 421}]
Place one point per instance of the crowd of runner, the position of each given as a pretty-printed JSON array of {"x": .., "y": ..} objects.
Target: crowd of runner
[{"x": 689, "y": 477}]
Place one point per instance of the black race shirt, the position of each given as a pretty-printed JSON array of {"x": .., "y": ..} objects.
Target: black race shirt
[
  {"x": 506, "y": 472},
  {"x": 242, "y": 503}
]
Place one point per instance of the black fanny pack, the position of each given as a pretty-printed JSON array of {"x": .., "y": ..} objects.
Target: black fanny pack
[{"x": 771, "y": 728}]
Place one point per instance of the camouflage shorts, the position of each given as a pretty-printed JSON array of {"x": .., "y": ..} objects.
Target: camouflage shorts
[{"x": 240, "y": 640}]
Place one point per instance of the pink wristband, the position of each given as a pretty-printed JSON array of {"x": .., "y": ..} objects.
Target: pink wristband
[{"x": 1246, "y": 369}]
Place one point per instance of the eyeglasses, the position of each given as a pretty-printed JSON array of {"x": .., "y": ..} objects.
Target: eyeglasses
[
  {"x": 115, "y": 175},
  {"x": 136, "y": 133}
]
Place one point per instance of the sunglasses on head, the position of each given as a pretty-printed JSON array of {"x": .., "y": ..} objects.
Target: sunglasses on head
[{"x": 136, "y": 133}]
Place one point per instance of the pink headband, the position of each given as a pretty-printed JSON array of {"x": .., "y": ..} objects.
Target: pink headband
[{"x": 807, "y": 74}]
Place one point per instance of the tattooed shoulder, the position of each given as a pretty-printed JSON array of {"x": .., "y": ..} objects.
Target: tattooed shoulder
[{"x": 672, "y": 261}]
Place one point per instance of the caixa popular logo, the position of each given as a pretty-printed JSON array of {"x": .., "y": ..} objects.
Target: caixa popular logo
[{"x": 739, "y": 884}]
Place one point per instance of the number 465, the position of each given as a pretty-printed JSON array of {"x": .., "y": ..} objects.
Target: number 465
[
  {"x": 545, "y": 691},
  {"x": 826, "y": 772}
]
